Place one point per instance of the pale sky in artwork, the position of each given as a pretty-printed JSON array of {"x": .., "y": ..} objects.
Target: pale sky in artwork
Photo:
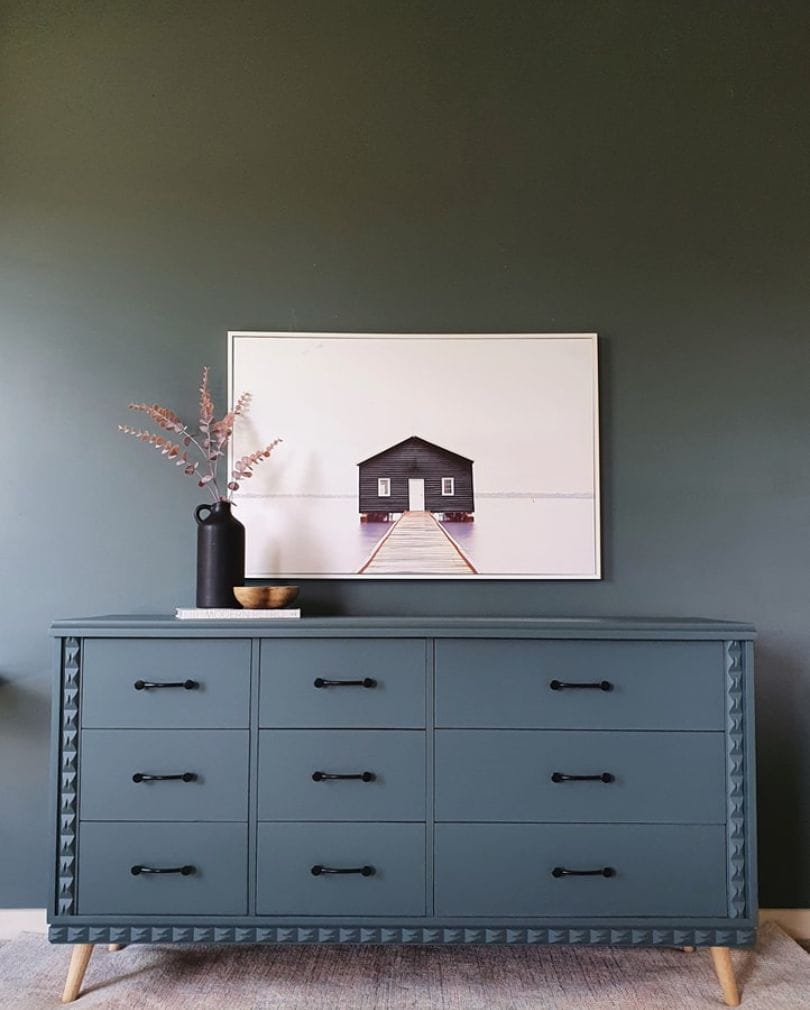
[{"x": 521, "y": 408}]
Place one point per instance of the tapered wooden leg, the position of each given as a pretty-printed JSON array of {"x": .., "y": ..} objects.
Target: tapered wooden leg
[
  {"x": 721, "y": 956},
  {"x": 78, "y": 966},
  {"x": 113, "y": 947}
]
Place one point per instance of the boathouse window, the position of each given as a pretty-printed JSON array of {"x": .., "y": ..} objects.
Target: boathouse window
[
  {"x": 448, "y": 486},
  {"x": 384, "y": 487}
]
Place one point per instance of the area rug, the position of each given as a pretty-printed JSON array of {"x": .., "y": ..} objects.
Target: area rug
[{"x": 32, "y": 974}]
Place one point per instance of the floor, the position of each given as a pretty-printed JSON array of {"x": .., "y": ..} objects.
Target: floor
[{"x": 774, "y": 977}]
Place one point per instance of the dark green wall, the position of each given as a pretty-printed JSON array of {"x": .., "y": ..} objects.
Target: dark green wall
[{"x": 635, "y": 167}]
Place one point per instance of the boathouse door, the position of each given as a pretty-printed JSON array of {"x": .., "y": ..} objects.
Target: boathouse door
[{"x": 416, "y": 494}]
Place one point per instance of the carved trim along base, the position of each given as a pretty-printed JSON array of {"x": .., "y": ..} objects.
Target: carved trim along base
[
  {"x": 735, "y": 771},
  {"x": 417, "y": 934},
  {"x": 68, "y": 777}
]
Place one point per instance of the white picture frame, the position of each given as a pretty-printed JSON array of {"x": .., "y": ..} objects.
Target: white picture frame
[{"x": 515, "y": 425}]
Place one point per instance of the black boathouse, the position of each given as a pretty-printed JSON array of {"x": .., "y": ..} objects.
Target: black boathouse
[{"x": 416, "y": 475}]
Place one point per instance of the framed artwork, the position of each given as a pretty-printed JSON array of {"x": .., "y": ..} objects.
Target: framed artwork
[{"x": 420, "y": 456}]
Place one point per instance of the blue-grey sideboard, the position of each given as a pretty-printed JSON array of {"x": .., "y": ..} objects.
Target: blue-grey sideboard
[{"x": 433, "y": 781}]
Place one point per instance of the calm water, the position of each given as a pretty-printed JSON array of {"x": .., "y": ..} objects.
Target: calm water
[{"x": 510, "y": 536}]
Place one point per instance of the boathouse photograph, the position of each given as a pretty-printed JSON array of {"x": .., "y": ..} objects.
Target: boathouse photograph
[
  {"x": 416, "y": 475},
  {"x": 419, "y": 455}
]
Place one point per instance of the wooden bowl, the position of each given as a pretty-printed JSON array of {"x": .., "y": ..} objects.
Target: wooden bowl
[{"x": 265, "y": 597}]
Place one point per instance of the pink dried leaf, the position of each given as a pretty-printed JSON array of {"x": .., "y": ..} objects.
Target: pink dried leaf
[
  {"x": 256, "y": 457},
  {"x": 162, "y": 416},
  {"x": 169, "y": 449},
  {"x": 206, "y": 403},
  {"x": 223, "y": 429},
  {"x": 242, "y": 403},
  {"x": 233, "y": 486},
  {"x": 138, "y": 433}
]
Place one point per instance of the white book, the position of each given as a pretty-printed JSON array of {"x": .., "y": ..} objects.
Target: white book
[{"x": 231, "y": 613}]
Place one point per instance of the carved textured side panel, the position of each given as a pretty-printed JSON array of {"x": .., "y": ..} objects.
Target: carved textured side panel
[
  {"x": 68, "y": 777},
  {"x": 437, "y": 935},
  {"x": 735, "y": 773}
]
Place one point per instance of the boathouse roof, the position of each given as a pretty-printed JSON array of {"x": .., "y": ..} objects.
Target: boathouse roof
[{"x": 421, "y": 441}]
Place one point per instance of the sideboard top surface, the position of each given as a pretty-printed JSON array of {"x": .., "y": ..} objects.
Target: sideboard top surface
[{"x": 168, "y": 626}]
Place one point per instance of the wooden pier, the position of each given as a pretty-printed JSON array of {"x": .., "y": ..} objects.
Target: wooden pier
[{"x": 417, "y": 544}]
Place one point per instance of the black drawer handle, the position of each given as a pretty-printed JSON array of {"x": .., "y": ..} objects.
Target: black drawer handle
[
  {"x": 182, "y": 777},
  {"x": 184, "y": 871},
  {"x": 364, "y": 871},
  {"x": 365, "y": 682},
  {"x": 600, "y": 685},
  {"x": 330, "y": 776},
  {"x": 562, "y": 777},
  {"x": 148, "y": 685},
  {"x": 605, "y": 871}
]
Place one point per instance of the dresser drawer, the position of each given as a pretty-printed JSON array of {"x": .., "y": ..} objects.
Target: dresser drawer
[
  {"x": 507, "y": 870},
  {"x": 108, "y": 852},
  {"x": 287, "y": 854},
  {"x": 218, "y": 673},
  {"x": 393, "y": 670},
  {"x": 217, "y": 760},
  {"x": 652, "y": 685},
  {"x": 506, "y": 775},
  {"x": 393, "y": 762}
]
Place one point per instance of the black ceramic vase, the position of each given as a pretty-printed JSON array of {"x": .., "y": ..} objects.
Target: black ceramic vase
[{"x": 220, "y": 555}]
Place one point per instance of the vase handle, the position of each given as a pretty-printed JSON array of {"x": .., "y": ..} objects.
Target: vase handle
[{"x": 199, "y": 509}]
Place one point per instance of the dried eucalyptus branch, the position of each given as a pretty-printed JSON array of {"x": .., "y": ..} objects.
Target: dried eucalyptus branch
[
  {"x": 243, "y": 467},
  {"x": 211, "y": 447},
  {"x": 162, "y": 416}
]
